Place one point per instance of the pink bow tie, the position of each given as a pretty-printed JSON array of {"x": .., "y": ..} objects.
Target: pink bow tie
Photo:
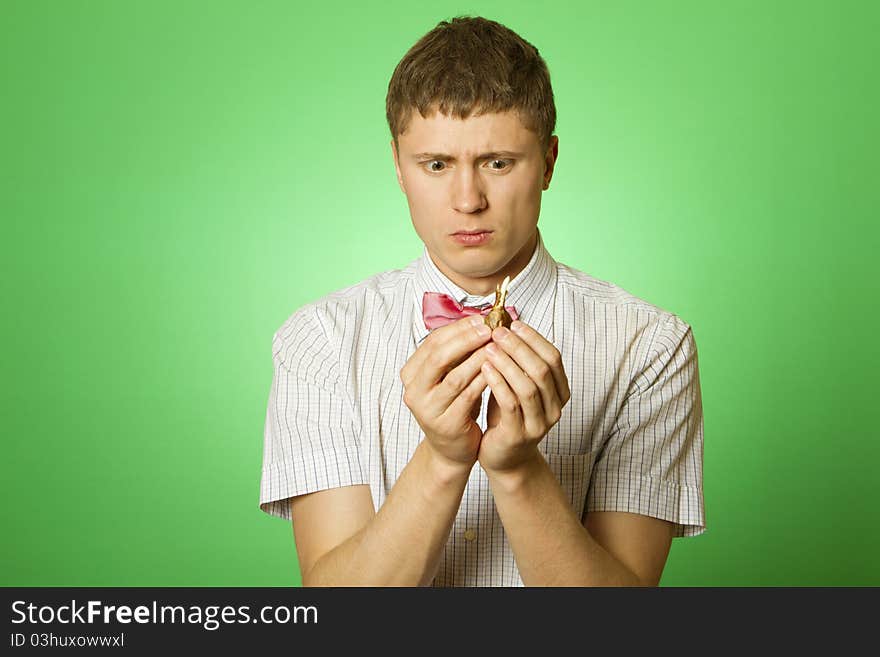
[{"x": 440, "y": 309}]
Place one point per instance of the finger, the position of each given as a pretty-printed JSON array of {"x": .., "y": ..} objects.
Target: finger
[
  {"x": 444, "y": 346},
  {"x": 452, "y": 347},
  {"x": 548, "y": 353},
  {"x": 457, "y": 379},
  {"x": 527, "y": 392},
  {"x": 467, "y": 399},
  {"x": 508, "y": 404},
  {"x": 535, "y": 369}
]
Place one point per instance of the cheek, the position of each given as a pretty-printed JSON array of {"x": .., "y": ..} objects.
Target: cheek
[
  {"x": 523, "y": 195},
  {"x": 423, "y": 196}
]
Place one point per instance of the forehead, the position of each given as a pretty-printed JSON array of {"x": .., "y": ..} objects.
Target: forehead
[{"x": 493, "y": 131}]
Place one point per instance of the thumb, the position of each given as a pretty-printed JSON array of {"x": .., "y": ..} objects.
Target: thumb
[
  {"x": 475, "y": 410},
  {"x": 493, "y": 413}
]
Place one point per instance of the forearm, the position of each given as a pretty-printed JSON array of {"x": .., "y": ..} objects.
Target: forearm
[
  {"x": 549, "y": 543},
  {"x": 402, "y": 544}
]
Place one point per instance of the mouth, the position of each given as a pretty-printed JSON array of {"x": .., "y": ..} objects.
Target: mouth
[{"x": 472, "y": 237}]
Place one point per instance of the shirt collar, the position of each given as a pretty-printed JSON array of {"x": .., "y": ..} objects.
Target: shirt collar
[{"x": 532, "y": 292}]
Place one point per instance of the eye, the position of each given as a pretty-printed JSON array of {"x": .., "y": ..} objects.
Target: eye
[
  {"x": 504, "y": 164},
  {"x": 436, "y": 169}
]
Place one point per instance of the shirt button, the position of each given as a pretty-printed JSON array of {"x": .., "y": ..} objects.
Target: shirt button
[{"x": 470, "y": 535}]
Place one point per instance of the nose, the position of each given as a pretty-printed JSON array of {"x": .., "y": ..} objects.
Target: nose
[{"x": 467, "y": 191}]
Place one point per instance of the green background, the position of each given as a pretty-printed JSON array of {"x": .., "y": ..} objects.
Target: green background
[{"x": 179, "y": 177}]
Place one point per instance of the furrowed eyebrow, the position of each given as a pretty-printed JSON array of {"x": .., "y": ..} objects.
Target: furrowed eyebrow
[{"x": 483, "y": 156}]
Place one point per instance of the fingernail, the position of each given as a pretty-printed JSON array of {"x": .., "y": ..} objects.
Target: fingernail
[
  {"x": 476, "y": 320},
  {"x": 501, "y": 332},
  {"x": 516, "y": 326},
  {"x": 483, "y": 331}
]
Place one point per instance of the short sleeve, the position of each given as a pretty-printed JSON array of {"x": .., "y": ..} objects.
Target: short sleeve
[
  {"x": 652, "y": 461},
  {"x": 310, "y": 440}
]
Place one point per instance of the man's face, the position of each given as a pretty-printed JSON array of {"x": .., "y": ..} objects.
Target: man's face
[{"x": 482, "y": 173}]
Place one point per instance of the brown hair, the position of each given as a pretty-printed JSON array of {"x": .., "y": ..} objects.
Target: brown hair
[{"x": 472, "y": 64}]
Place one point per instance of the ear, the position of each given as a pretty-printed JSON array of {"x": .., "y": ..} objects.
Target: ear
[
  {"x": 397, "y": 167},
  {"x": 550, "y": 160}
]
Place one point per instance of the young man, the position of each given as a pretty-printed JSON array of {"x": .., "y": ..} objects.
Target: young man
[{"x": 412, "y": 446}]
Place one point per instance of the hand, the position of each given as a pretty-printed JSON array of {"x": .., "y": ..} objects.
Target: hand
[
  {"x": 443, "y": 385},
  {"x": 529, "y": 389}
]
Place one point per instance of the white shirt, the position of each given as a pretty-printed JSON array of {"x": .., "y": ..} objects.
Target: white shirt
[{"x": 630, "y": 438}]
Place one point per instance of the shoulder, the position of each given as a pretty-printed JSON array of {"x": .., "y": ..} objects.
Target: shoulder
[
  {"x": 578, "y": 284},
  {"x": 329, "y": 318},
  {"x": 639, "y": 318}
]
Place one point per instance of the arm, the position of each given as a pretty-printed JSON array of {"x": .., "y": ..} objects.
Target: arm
[
  {"x": 550, "y": 543},
  {"x": 553, "y": 548},
  {"x": 340, "y": 541}
]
